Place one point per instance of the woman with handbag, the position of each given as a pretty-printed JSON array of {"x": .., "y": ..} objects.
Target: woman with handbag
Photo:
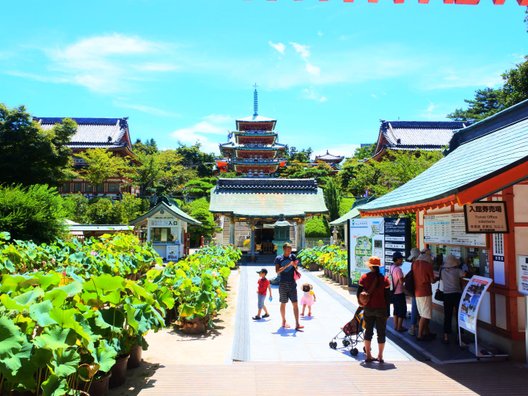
[
  {"x": 451, "y": 292},
  {"x": 374, "y": 296}
]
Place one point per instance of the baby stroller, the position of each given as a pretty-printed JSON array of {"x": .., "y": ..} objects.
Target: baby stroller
[{"x": 351, "y": 333}]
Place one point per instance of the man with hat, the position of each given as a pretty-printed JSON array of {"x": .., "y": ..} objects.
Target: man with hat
[
  {"x": 285, "y": 266},
  {"x": 398, "y": 295},
  {"x": 415, "y": 317}
]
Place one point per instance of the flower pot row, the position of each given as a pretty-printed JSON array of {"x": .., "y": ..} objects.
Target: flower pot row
[{"x": 336, "y": 277}]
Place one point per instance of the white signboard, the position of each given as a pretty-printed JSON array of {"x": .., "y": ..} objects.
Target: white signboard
[
  {"x": 163, "y": 222},
  {"x": 470, "y": 302},
  {"x": 522, "y": 274},
  {"x": 365, "y": 240},
  {"x": 450, "y": 229}
]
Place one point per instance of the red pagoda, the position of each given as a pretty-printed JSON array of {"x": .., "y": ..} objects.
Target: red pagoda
[{"x": 252, "y": 150}]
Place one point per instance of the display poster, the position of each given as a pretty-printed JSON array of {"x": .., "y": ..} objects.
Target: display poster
[
  {"x": 173, "y": 253},
  {"x": 486, "y": 217},
  {"x": 397, "y": 238},
  {"x": 522, "y": 274},
  {"x": 470, "y": 302},
  {"x": 365, "y": 240},
  {"x": 450, "y": 229}
]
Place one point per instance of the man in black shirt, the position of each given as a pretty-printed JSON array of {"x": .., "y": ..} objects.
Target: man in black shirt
[{"x": 285, "y": 265}]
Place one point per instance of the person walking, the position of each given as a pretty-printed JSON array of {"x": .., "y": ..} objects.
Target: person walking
[
  {"x": 423, "y": 279},
  {"x": 450, "y": 276},
  {"x": 373, "y": 294},
  {"x": 264, "y": 286},
  {"x": 308, "y": 299},
  {"x": 399, "y": 300},
  {"x": 413, "y": 330},
  {"x": 285, "y": 266}
]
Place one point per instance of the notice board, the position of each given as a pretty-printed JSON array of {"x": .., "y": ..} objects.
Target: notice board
[{"x": 450, "y": 229}]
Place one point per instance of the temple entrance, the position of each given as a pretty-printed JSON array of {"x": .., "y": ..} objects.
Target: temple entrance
[{"x": 264, "y": 239}]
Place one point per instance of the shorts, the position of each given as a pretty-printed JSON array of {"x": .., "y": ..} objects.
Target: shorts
[
  {"x": 287, "y": 291},
  {"x": 425, "y": 306},
  {"x": 261, "y": 300},
  {"x": 400, "y": 305},
  {"x": 375, "y": 317}
]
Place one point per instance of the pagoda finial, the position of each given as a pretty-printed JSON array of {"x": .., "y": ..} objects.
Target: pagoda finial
[{"x": 255, "y": 101}]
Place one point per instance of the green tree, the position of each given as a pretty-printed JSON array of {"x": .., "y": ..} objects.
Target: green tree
[
  {"x": 195, "y": 159},
  {"x": 302, "y": 156},
  {"x": 102, "y": 211},
  {"x": 199, "y": 209},
  {"x": 298, "y": 170},
  {"x": 198, "y": 188},
  {"x": 149, "y": 147},
  {"x": 148, "y": 174},
  {"x": 487, "y": 102},
  {"x": 32, "y": 213},
  {"x": 76, "y": 207},
  {"x": 129, "y": 208},
  {"x": 101, "y": 164},
  {"x": 332, "y": 195},
  {"x": 30, "y": 155},
  {"x": 317, "y": 227},
  {"x": 515, "y": 88},
  {"x": 174, "y": 173}
]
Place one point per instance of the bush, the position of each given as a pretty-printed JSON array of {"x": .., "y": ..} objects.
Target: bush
[
  {"x": 317, "y": 227},
  {"x": 32, "y": 213}
]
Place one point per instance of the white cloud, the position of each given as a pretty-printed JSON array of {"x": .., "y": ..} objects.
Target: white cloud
[
  {"x": 448, "y": 77},
  {"x": 312, "y": 69},
  {"x": 311, "y": 94},
  {"x": 279, "y": 47},
  {"x": 433, "y": 112},
  {"x": 155, "y": 111},
  {"x": 105, "y": 64},
  {"x": 301, "y": 49},
  {"x": 320, "y": 33},
  {"x": 213, "y": 124}
]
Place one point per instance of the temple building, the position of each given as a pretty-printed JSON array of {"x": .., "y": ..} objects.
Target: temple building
[
  {"x": 111, "y": 134},
  {"x": 258, "y": 212},
  {"x": 414, "y": 135},
  {"x": 253, "y": 149},
  {"x": 331, "y": 160}
]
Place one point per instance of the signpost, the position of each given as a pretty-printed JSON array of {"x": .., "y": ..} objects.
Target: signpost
[
  {"x": 397, "y": 232},
  {"x": 469, "y": 308},
  {"x": 486, "y": 217}
]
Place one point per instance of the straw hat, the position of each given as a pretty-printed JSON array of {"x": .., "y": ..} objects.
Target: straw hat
[
  {"x": 415, "y": 252},
  {"x": 451, "y": 261},
  {"x": 373, "y": 261}
]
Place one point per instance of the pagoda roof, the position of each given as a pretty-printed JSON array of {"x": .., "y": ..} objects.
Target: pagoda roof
[
  {"x": 169, "y": 206},
  {"x": 267, "y": 197},
  {"x": 255, "y": 118},
  {"x": 263, "y": 147},
  {"x": 329, "y": 157},
  {"x": 108, "y": 133},
  {"x": 483, "y": 158}
]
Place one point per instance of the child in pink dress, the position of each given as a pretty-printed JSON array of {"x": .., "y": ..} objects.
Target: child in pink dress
[{"x": 308, "y": 298}]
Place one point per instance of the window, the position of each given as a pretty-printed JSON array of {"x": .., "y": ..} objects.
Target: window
[
  {"x": 66, "y": 188},
  {"x": 88, "y": 188},
  {"x": 113, "y": 188},
  {"x": 77, "y": 187},
  {"x": 161, "y": 234},
  {"x": 99, "y": 188}
]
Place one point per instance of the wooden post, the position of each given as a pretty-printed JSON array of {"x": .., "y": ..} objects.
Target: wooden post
[{"x": 232, "y": 231}]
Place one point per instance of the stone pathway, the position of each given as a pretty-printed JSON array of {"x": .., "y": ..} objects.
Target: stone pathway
[{"x": 266, "y": 340}]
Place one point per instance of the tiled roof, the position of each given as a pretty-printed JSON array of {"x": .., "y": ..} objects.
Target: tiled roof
[
  {"x": 329, "y": 157},
  {"x": 94, "y": 132},
  {"x": 480, "y": 153},
  {"x": 418, "y": 134},
  {"x": 172, "y": 209},
  {"x": 267, "y": 197},
  {"x": 255, "y": 118}
]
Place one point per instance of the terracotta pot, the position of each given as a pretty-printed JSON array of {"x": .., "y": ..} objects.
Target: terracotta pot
[
  {"x": 344, "y": 280},
  {"x": 335, "y": 277},
  {"x": 119, "y": 372},
  {"x": 134, "y": 361},
  {"x": 313, "y": 267},
  {"x": 99, "y": 387},
  {"x": 194, "y": 326}
]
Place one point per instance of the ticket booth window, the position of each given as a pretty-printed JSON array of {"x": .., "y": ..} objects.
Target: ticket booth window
[{"x": 161, "y": 235}]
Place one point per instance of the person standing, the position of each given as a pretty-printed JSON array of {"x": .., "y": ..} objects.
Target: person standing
[
  {"x": 413, "y": 330},
  {"x": 398, "y": 296},
  {"x": 377, "y": 289},
  {"x": 423, "y": 279},
  {"x": 264, "y": 286},
  {"x": 285, "y": 265},
  {"x": 450, "y": 276}
]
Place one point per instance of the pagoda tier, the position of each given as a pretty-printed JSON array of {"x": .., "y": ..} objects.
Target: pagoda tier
[
  {"x": 255, "y": 137},
  {"x": 253, "y": 149}
]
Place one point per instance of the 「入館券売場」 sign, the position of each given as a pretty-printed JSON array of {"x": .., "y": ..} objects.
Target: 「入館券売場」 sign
[{"x": 482, "y": 217}]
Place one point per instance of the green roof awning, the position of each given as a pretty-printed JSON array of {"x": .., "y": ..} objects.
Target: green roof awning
[
  {"x": 488, "y": 149},
  {"x": 267, "y": 197},
  {"x": 354, "y": 213},
  {"x": 172, "y": 209}
]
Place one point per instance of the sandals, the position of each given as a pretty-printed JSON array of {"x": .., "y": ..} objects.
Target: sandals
[
  {"x": 299, "y": 328},
  {"x": 370, "y": 360}
]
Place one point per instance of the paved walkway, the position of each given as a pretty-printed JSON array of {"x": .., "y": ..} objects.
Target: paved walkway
[{"x": 266, "y": 340}]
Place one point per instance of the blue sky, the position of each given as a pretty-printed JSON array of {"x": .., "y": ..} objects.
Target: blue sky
[{"x": 184, "y": 70}]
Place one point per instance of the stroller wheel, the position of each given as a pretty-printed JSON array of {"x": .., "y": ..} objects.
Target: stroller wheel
[
  {"x": 333, "y": 344},
  {"x": 346, "y": 343},
  {"x": 354, "y": 352}
]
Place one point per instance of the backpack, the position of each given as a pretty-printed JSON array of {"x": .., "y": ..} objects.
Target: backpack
[{"x": 408, "y": 283}]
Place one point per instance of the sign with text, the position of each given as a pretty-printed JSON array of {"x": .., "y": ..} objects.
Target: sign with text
[
  {"x": 487, "y": 217},
  {"x": 365, "y": 240},
  {"x": 397, "y": 233},
  {"x": 449, "y": 229},
  {"x": 470, "y": 302},
  {"x": 163, "y": 222},
  {"x": 522, "y": 274}
]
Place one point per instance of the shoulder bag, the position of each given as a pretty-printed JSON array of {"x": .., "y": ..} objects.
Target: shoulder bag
[
  {"x": 408, "y": 283},
  {"x": 439, "y": 294}
]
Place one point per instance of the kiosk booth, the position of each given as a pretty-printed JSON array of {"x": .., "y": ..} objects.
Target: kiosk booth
[{"x": 165, "y": 226}]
